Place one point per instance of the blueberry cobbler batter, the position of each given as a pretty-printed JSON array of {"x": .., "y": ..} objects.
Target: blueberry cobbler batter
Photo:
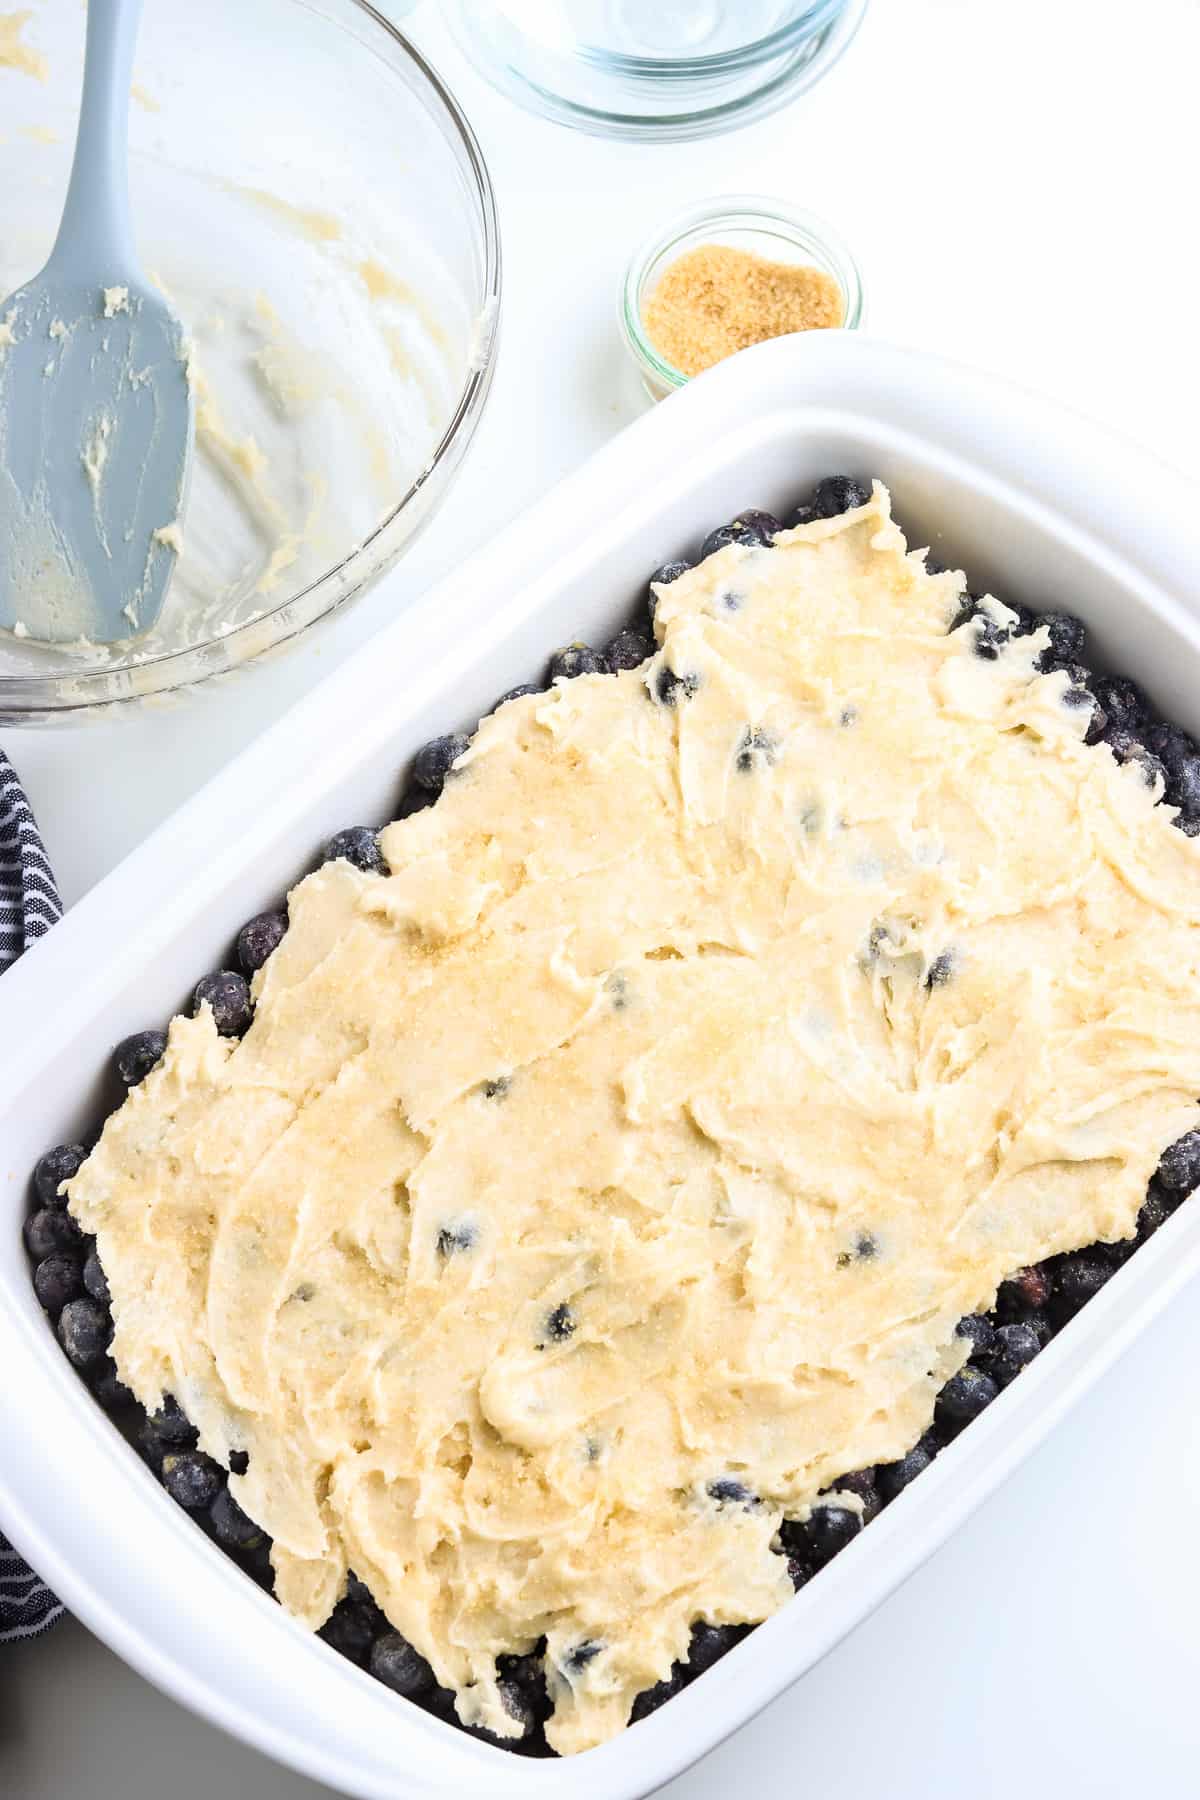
[{"x": 622, "y": 1150}]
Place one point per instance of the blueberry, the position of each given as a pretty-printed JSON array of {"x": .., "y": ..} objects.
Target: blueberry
[
  {"x": 1179, "y": 1165},
  {"x": 804, "y": 514},
  {"x": 192, "y": 1479},
  {"x": 49, "y": 1232},
  {"x": 663, "y": 576},
  {"x": 516, "y": 693},
  {"x": 1016, "y": 1347},
  {"x": 865, "y": 1250},
  {"x": 827, "y": 1530},
  {"x": 893, "y": 1478},
  {"x": 524, "y": 1671},
  {"x": 257, "y": 1564},
  {"x": 1183, "y": 789},
  {"x": 228, "y": 994},
  {"x": 83, "y": 1331},
  {"x": 394, "y": 1662},
  {"x": 259, "y": 938},
  {"x": 1080, "y": 698},
  {"x": 1128, "y": 749},
  {"x": 1116, "y": 1254},
  {"x": 1067, "y": 636},
  {"x": 452, "y": 1239},
  {"x": 581, "y": 1654},
  {"x": 231, "y": 1527},
  {"x": 723, "y": 535},
  {"x": 56, "y": 1280},
  {"x": 359, "y": 845},
  {"x": 727, "y": 1490},
  {"x": 672, "y": 688},
  {"x": 764, "y": 524},
  {"x": 628, "y": 650},
  {"x": 799, "y": 1571},
  {"x": 836, "y": 494},
  {"x": 1027, "y": 620},
  {"x": 576, "y": 659},
  {"x": 239, "y": 1462},
  {"x": 171, "y": 1425},
  {"x": 710, "y": 1643},
  {"x": 988, "y": 638},
  {"x": 1157, "y": 1208},
  {"x": 1039, "y": 1324},
  {"x": 965, "y": 1396},
  {"x": 937, "y": 565},
  {"x": 1076, "y": 1280},
  {"x": 352, "y": 1628},
  {"x": 95, "y": 1280},
  {"x": 751, "y": 528},
  {"x": 1026, "y": 1291},
  {"x": 414, "y": 800},
  {"x": 560, "y": 1324},
  {"x": 360, "y": 1594},
  {"x": 56, "y": 1166},
  {"x": 758, "y": 749},
  {"x": 526, "y": 1676},
  {"x": 497, "y": 1087},
  {"x": 110, "y": 1390},
  {"x": 980, "y": 1331},
  {"x": 520, "y": 1707},
  {"x": 135, "y": 1056},
  {"x": 434, "y": 761},
  {"x": 1123, "y": 702},
  {"x": 862, "y": 1483},
  {"x": 650, "y": 1699},
  {"x": 150, "y": 1446},
  {"x": 1170, "y": 743},
  {"x": 940, "y": 970},
  {"x": 440, "y": 1702}
]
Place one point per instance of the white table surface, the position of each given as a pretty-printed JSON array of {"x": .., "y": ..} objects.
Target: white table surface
[{"x": 1017, "y": 178}]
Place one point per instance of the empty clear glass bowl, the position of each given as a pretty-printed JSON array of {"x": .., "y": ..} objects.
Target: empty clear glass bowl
[
  {"x": 654, "y": 68},
  {"x": 316, "y": 204}
]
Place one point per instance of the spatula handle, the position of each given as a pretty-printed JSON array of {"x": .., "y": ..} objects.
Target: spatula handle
[{"x": 96, "y": 216}]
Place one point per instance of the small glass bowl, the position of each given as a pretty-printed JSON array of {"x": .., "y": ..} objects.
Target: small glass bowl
[
  {"x": 654, "y": 70},
  {"x": 767, "y": 227}
]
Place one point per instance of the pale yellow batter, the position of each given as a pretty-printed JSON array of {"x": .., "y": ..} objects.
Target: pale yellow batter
[
  {"x": 703, "y": 1060},
  {"x": 14, "y": 54}
]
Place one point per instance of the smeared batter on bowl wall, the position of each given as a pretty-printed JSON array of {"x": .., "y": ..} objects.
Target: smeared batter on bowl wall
[
  {"x": 325, "y": 365},
  {"x": 599, "y": 1186}
]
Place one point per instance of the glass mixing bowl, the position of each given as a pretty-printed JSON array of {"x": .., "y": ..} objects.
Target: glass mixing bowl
[{"x": 309, "y": 193}]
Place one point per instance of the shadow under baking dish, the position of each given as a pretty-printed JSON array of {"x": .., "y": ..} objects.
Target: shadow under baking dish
[{"x": 1036, "y": 503}]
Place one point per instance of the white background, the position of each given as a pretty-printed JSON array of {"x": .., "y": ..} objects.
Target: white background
[{"x": 1017, "y": 178}]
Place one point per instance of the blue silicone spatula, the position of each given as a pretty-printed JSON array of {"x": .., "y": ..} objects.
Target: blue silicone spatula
[{"x": 96, "y": 415}]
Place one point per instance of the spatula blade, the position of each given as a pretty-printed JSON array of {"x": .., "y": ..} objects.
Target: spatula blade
[{"x": 96, "y": 426}]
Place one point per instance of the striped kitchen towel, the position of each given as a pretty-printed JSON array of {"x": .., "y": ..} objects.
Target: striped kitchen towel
[{"x": 29, "y": 905}]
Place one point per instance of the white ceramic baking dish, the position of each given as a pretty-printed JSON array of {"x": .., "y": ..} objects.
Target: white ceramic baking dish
[{"x": 1039, "y": 504}]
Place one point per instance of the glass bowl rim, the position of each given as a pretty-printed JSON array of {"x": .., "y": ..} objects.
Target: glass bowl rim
[
  {"x": 26, "y": 695},
  {"x": 815, "y": 17},
  {"x": 807, "y": 230},
  {"x": 830, "y": 26}
]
